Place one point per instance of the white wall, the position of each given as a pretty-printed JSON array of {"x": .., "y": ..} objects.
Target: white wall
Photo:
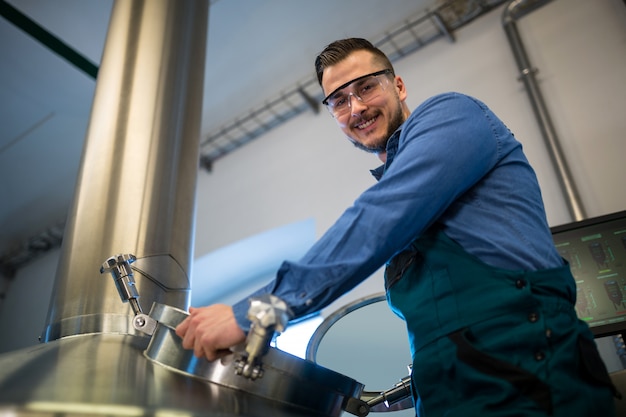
[{"x": 305, "y": 169}]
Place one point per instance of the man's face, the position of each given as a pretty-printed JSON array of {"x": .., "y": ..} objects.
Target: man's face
[{"x": 368, "y": 125}]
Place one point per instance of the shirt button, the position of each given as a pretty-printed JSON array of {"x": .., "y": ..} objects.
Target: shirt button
[
  {"x": 520, "y": 283},
  {"x": 548, "y": 333},
  {"x": 533, "y": 317},
  {"x": 539, "y": 356}
]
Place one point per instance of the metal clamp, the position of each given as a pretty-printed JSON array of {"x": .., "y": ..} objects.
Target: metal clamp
[
  {"x": 269, "y": 315},
  {"x": 119, "y": 268}
]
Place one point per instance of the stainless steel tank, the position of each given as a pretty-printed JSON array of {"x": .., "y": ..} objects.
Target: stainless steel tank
[{"x": 136, "y": 195}]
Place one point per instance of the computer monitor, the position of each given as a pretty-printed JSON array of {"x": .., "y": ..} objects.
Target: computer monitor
[{"x": 596, "y": 251}]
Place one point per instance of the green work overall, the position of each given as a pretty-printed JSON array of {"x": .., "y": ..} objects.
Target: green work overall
[{"x": 493, "y": 342}]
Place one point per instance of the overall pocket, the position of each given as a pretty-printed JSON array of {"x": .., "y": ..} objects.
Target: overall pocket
[{"x": 526, "y": 383}]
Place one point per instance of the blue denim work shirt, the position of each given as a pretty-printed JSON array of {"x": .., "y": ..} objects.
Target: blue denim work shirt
[{"x": 452, "y": 162}]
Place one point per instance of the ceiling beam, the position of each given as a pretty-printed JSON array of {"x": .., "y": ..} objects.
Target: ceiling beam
[{"x": 52, "y": 42}]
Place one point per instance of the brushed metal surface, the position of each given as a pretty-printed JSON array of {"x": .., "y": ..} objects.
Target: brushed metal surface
[
  {"x": 286, "y": 379},
  {"x": 107, "y": 374},
  {"x": 137, "y": 182}
]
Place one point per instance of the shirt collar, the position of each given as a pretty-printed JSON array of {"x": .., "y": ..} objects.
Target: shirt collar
[{"x": 392, "y": 148}]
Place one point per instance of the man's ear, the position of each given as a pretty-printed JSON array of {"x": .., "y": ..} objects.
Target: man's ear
[{"x": 400, "y": 87}]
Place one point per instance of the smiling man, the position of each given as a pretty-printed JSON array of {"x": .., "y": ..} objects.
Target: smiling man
[{"x": 458, "y": 219}]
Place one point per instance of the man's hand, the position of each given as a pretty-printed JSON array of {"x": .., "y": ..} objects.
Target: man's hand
[{"x": 210, "y": 331}]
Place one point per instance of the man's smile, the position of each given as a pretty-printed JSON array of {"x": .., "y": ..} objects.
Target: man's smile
[{"x": 366, "y": 123}]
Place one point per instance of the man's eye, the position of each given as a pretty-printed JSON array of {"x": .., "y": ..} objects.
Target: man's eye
[
  {"x": 339, "y": 102},
  {"x": 367, "y": 88}
]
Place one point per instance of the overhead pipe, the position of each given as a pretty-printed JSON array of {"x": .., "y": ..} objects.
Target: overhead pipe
[{"x": 513, "y": 11}]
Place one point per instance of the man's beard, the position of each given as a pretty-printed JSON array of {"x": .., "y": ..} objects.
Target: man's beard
[{"x": 381, "y": 146}]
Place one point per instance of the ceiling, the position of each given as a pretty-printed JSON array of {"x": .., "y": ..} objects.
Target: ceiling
[{"x": 262, "y": 47}]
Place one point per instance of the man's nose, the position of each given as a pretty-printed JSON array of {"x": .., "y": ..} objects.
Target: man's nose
[{"x": 356, "y": 105}]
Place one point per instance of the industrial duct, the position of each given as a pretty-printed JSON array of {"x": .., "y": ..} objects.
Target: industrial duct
[
  {"x": 514, "y": 11},
  {"x": 137, "y": 182}
]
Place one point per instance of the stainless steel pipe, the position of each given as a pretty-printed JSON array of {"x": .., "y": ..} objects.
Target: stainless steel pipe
[
  {"x": 513, "y": 11},
  {"x": 137, "y": 181}
]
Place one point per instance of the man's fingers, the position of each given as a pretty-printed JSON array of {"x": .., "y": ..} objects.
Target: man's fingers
[
  {"x": 199, "y": 351},
  {"x": 181, "y": 329},
  {"x": 210, "y": 331}
]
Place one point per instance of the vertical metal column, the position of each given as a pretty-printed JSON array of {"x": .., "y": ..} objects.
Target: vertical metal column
[
  {"x": 512, "y": 12},
  {"x": 137, "y": 182}
]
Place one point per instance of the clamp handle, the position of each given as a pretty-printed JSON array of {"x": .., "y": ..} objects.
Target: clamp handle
[{"x": 119, "y": 267}]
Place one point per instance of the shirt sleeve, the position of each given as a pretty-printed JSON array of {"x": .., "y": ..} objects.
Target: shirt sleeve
[{"x": 446, "y": 145}]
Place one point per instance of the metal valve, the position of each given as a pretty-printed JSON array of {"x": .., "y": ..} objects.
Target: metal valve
[
  {"x": 399, "y": 396},
  {"x": 399, "y": 392},
  {"x": 269, "y": 315}
]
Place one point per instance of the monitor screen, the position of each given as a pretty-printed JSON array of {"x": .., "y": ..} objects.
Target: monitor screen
[{"x": 596, "y": 251}]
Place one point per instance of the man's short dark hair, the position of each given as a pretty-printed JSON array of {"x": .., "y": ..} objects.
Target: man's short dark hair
[{"x": 339, "y": 50}]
